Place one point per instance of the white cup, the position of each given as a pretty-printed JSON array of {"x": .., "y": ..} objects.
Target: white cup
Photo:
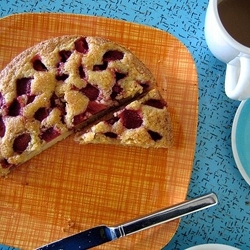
[{"x": 228, "y": 50}]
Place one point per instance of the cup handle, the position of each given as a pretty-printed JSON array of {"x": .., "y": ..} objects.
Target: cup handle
[{"x": 237, "y": 80}]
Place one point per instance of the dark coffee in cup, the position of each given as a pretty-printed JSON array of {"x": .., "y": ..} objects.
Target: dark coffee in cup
[{"x": 235, "y": 17}]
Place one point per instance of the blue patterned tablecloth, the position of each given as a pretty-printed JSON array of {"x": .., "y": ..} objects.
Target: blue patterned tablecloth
[{"x": 214, "y": 166}]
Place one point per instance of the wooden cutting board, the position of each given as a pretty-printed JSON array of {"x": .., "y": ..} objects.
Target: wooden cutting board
[{"x": 69, "y": 187}]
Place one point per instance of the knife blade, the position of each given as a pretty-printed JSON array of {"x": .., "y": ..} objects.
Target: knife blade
[{"x": 103, "y": 234}]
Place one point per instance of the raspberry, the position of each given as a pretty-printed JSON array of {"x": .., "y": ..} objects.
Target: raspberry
[
  {"x": 2, "y": 127},
  {"x": 131, "y": 119},
  {"x": 91, "y": 92},
  {"x": 94, "y": 107},
  {"x": 111, "y": 135},
  {"x": 81, "y": 45},
  {"x": 100, "y": 67},
  {"x": 115, "y": 91},
  {"x": 21, "y": 143},
  {"x": 82, "y": 72},
  {"x": 113, "y": 120},
  {"x": 1, "y": 99},
  {"x": 145, "y": 86},
  {"x": 64, "y": 54},
  {"x": 61, "y": 76},
  {"x": 154, "y": 135},
  {"x": 79, "y": 118},
  {"x": 54, "y": 100},
  {"x": 30, "y": 99},
  {"x": 155, "y": 103},
  {"x": 4, "y": 164},
  {"x": 37, "y": 64},
  {"x": 41, "y": 114},
  {"x": 49, "y": 134},
  {"x": 119, "y": 76},
  {"x": 14, "y": 108},
  {"x": 23, "y": 86},
  {"x": 112, "y": 55}
]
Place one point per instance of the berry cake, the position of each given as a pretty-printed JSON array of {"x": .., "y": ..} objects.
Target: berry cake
[
  {"x": 61, "y": 85},
  {"x": 144, "y": 122}
]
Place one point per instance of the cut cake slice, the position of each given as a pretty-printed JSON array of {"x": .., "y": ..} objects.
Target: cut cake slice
[{"x": 145, "y": 123}]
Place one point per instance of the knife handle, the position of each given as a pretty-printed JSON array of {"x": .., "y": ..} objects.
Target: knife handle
[{"x": 166, "y": 215}]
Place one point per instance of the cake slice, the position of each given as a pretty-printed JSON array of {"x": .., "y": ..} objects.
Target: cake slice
[
  {"x": 60, "y": 85},
  {"x": 144, "y": 122}
]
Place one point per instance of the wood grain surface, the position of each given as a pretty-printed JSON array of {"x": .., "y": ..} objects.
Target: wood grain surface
[{"x": 69, "y": 188}]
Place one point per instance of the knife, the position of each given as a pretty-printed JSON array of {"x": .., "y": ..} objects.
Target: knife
[{"x": 103, "y": 234}]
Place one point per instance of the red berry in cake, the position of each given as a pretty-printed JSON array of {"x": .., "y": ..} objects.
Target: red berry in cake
[
  {"x": 15, "y": 108},
  {"x": 113, "y": 55},
  {"x": 119, "y": 76},
  {"x": 21, "y": 143},
  {"x": 100, "y": 67},
  {"x": 79, "y": 118},
  {"x": 64, "y": 55},
  {"x": 113, "y": 120},
  {"x": 111, "y": 135},
  {"x": 131, "y": 119},
  {"x": 144, "y": 85},
  {"x": 154, "y": 135},
  {"x": 30, "y": 99},
  {"x": 1, "y": 99},
  {"x": 81, "y": 45},
  {"x": 61, "y": 76},
  {"x": 2, "y": 127},
  {"x": 4, "y": 164},
  {"x": 117, "y": 89},
  {"x": 50, "y": 134},
  {"x": 38, "y": 65},
  {"x": 82, "y": 72},
  {"x": 41, "y": 114},
  {"x": 95, "y": 107},
  {"x": 155, "y": 103},
  {"x": 23, "y": 86},
  {"x": 91, "y": 92}
]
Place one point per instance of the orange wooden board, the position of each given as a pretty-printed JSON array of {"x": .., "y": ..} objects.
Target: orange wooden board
[{"x": 69, "y": 187}]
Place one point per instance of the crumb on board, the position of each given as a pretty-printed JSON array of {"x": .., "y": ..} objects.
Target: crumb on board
[{"x": 69, "y": 224}]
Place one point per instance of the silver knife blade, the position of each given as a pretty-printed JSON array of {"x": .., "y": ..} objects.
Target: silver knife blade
[{"x": 103, "y": 234}]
